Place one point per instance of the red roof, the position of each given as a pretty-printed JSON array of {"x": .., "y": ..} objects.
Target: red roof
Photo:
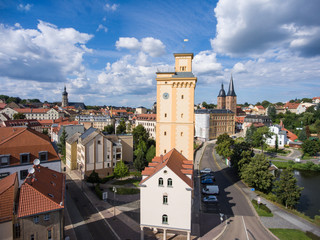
[
  {"x": 42, "y": 191},
  {"x": 290, "y": 135},
  {"x": 173, "y": 160},
  {"x": 290, "y": 105},
  {"x": 31, "y": 110},
  {"x": 147, "y": 117},
  {"x": 260, "y": 107},
  {"x": 3, "y": 105},
  {"x": 240, "y": 119},
  {"x": 7, "y": 196},
  {"x": 314, "y": 98}
]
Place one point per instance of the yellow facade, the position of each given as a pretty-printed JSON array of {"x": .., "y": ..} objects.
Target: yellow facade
[{"x": 175, "y": 108}]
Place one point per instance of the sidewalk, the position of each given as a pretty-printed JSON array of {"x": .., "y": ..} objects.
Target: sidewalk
[{"x": 281, "y": 218}]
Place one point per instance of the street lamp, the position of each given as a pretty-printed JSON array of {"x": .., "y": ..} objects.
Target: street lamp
[{"x": 114, "y": 189}]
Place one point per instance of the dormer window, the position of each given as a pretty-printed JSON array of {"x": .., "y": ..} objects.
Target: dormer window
[
  {"x": 24, "y": 158},
  {"x": 4, "y": 160},
  {"x": 43, "y": 156}
]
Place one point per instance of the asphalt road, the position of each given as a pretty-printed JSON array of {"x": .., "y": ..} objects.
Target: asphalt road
[
  {"x": 242, "y": 222},
  {"x": 87, "y": 222}
]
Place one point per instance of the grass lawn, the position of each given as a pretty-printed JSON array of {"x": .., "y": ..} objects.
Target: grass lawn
[
  {"x": 126, "y": 191},
  {"x": 133, "y": 181},
  {"x": 289, "y": 234}
]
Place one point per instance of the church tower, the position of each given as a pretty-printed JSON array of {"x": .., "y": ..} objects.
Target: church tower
[
  {"x": 64, "y": 102},
  {"x": 221, "y": 99},
  {"x": 175, "y": 108},
  {"x": 231, "y": 99}
]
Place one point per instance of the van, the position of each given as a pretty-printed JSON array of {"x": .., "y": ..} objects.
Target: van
[
  {"x": 210, "y": 189},
  {"x": 297, "y": 160}
]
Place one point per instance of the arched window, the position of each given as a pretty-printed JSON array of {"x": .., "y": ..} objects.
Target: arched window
[
  {"x": 164, "y": 219},
  {"x": 181, "y": 115},
  {"x": 165, "y": 199},
  {"x": 169, "y": 182},
  {"x": 181, "y": 96},
  {"x": 165, "y": 133},
  {"x": 160, "y": 181}
]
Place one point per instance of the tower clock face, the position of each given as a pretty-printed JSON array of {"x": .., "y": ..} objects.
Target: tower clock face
[{"x": 165, "y": 95}]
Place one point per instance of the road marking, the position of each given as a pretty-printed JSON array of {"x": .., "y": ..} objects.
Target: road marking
[{"x": 245, "y": 228}]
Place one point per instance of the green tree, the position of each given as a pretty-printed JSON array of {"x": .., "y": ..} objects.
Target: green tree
[
  {"x": 142, "y": 147},
  {"x": 139, "y": 133},
  {"x": 257, "y": 175},
  {"x": 224, "y": 149},
  {"x": 224, "y": 137},
  {"x": 139, "y": 163},
  {"x": 151, "y": 153},
  {"x": 265, "y": 103},
  {"x": 238, "y": 148},
  {"x": 109, "y": 129},
  {"x": 19, "y": 116},
  {"x": 249, "y": 134},
  {"x": 286, "y": 189},
  {"x": 121, "y": 128},
  {"x": 260, "y": 136},
  {"x": 246, "y": 157},
  {"x": 62, "y": 143},
  {"x": 317, "y": 127},
  {"x": 276, "y": 146},
  {"x": 308, "y": 131},
  {"x": 121, "y": 170},
  {"x": 129, "y": 128},
  {"x": 308, "y": 118},
  {"x": 303, "y": 135},
  {"x": 93, "y": 177},
  {"x": 310, "y": 147},
  {"x": 272, "y": 113}
]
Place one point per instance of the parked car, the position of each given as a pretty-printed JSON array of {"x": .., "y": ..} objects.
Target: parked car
[
  {"x": 213, "y": 189},
  {"x": 206, "y": 170},
  {"x": 207, "y": 181},
  {"x": 208, "y": 175},
  {"x": 297, "y": 160},
  {"x": 210, "y": 199}
]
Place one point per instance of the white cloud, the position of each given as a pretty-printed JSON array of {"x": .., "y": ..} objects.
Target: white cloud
[
  {"x": 206, "y": 62},
  {"x": 255, "y": 26},
  {"x": 46, "y": 54},
  {"x": 24, "y": 8},
  {"x": 153, "y": 47},
  {"x": 111, "y": 7},
  {"x": 239, "y": 68},
  {"x": 102, "y": 28}
]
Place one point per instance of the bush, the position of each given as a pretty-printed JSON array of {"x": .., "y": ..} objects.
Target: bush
[
  {"x": 93, "y": 177},
  {"x": 106, "y": 179},
  {"x": 272, "y": 197},
  {"x": 317, "y": 219},
  {"x": 261, "y": 205},
  {"x": 98, "y": 191},
  {"x": 136, "y": 174},
  {"x": 312, "y": 235}
]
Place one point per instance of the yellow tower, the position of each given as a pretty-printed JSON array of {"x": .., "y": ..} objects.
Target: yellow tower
[{"x": 175, "y": 108}]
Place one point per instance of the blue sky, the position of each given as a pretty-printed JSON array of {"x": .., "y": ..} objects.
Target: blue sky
[{"x": 107, "y": 52}]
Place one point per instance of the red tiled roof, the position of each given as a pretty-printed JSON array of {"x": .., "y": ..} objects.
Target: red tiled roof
[
  {"x": 16, "y": 140},
  {"x": 147, "y": 117},
  {"x": 314, "y": 98},
  {"x": 41, "y": 192},
  {"x": 290, "y": 135},
  {"x": 260, "y": 107},
  {"x": 173, "y": 160},
  {"x": 240, "y": 119},
  {"x": 22, "y": 122},
  {"x": 7, "y": 197},
  {"x": 3, "y": 105},
  {"x": 290, "y": 105},
  {"x": 45, "y": 122}
]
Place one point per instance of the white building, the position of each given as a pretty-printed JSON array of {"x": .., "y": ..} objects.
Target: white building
[
  {"x": 281, "y": 134},
  {"x": 148, "y": 121},
  {"x": 303, "y": 107},
  {"x": 202, "y": 122},
  {"x": 166, "y": 192},
  {"x": 34, "y": 113},
  {"x": 95, "y": 121}
]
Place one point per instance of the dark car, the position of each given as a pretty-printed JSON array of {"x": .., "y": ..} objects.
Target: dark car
[
  {"x": 210, "y": 199},
  {"x": 207, "y": 181},
  {"x": 208, "y": 175}
]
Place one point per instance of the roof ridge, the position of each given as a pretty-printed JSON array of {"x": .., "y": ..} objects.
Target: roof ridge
[{"x": 14, "y": 135}]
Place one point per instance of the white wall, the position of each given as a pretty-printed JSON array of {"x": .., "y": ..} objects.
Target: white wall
[{"x": 202, "y": 122}]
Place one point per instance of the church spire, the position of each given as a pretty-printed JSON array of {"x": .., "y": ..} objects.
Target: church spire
[
  {"x": 222, "y": 93},
  {"x": 231, "y": 91}
]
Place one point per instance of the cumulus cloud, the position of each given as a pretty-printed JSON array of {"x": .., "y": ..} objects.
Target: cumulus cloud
[
  {"x": 111, "y": 7},
  {"x": 24, "y": 8},
  {"x": 206, "y": 62},
  {"x": 102, "y": 28},
  {"x": 151, "y": 46},
  {"x": 45, "y": 54},
  {"x": 239, "y": 68},
  {"x": 255, "y": 26}
]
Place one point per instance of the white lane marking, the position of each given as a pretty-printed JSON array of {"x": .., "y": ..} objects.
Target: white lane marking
[{"x": 245, "y": 228}]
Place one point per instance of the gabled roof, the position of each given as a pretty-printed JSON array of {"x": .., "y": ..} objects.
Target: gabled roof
[
  {"x": 173, "y": 160},
  {"x": 7, "y": 195},
  {"x": 42, "y": 191},
  {"x": 73, "y": 138},
  {"x": 290, "y": 105},
  {"x": 147, "y": 117},
  {"x": 260, "y": 107}
]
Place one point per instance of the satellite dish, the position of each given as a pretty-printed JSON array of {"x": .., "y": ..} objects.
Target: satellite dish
[
  {"x": 31, "y": 170},
  {"x": 36, "y": 162}
]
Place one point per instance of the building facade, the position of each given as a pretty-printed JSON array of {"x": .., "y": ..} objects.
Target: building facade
[
  {"x": 175, "y": 108},
  {"x": 148, "y": 121}
]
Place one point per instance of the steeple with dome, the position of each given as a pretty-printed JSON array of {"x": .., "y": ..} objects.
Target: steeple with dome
[
  {"x": 64, "y": 102},
  {"x": 228, "y": 101}
]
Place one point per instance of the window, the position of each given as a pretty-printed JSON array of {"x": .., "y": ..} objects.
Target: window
[
  {"x": 99, "y": 142},
  {"x": 182, "y": 96},
  {"x": 181, "y": 134},
  {"x": 164, "y": 219},
  {"x": 165, "y": 133},
  {"x": 165, "y": 151},
  {"x": 165, "y": 199},
  {"x": 32, "y": 237},
  {"x": 4, "y": 160},
  {"x": 23, "y": 174},
  {"x": 182, "y": 68},
  {"x": 169, "y": 182},
  {"x": 46, "y": 217},
  {"x": 24, "y": 158},
  {"x": 17, "y": 230},
  {"x": 36, "y": 219},
  {"x": 160, "y": 181},
  {"x": 181, "y": 115},
  {"x": 165, "y": 115},
  {"x": 43, "y": 156},
  {"x": 49, "y": 234}
]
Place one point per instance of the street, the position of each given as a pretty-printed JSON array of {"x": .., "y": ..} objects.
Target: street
[
  {"x": 242, "y": 222},
  {"x": 87, "y": 222}
]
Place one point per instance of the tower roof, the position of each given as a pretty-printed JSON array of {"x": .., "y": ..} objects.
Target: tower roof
[
  {"x": 231, "y": 91},
  {"x": 65, "y": 91},
  {"x": 222, "y": 93}
]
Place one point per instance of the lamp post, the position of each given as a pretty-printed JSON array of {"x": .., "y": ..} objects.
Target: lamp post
[{"x": 114, "y": 189}]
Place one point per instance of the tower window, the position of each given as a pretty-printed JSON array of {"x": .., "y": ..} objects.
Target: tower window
[
  {"x": 181, "y": 134},
  {"x": 182, "y": 96},
  {"x": 183, "y": 68},
  {"x": 165, "y": 133},
  {"x": 164, "y": 219},
  {"x": 165, "y": 151},
  {"x": 165, "y": 199},
  {"x": 165, "y": 115},
  {"x": 181, "y": 115}
]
